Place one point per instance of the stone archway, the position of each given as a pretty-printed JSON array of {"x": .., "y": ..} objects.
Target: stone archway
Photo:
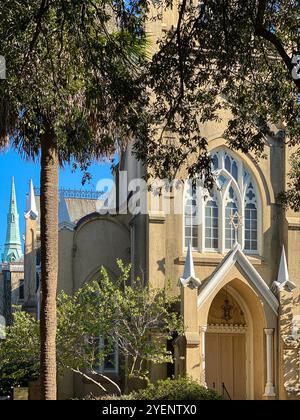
[
  {"x": 260, "y": 308},
  {"x": 248, "y": 332},
  {"x": 228, "y": 351}
]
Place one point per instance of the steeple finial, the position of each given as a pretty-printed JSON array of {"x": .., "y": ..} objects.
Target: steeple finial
[
  {"x": 13, "y": 247},
  {"x": 189, "y": 277},
  {"x": 283, "y": 278},
  {"x": 31, "y": 209},
  {"x": 283, "y": 272}
]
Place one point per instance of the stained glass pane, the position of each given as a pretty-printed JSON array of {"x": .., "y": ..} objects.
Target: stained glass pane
[
  {"x": 230, "y": 211},
  {"x": 227, "y": 164},
  {"x": 191, "y": 219},
  {"x": 234, "y": 170},
  {"x": 215, "y": 162},
  {"x": 250, "y": 228},
  {"x": 211, "y": 225}
]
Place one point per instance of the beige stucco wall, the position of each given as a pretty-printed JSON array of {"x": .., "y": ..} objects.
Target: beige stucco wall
[
  {"x": 95, "y": 242},
  {"x": 98, "y": 241}
]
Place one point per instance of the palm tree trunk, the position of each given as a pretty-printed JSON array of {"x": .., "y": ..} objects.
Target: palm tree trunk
[{"x": 49, "y": 263}]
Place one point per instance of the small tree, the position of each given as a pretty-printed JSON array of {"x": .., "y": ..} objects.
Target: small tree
[
  {"x": 19, "y": 352},
  {"x": 137, "y": 319}
]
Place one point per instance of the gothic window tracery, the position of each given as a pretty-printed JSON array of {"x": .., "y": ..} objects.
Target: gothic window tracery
[{"x": 230, "y": 212}]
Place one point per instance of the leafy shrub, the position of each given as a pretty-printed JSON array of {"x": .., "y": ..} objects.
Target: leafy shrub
[
  {"x": 169, "y": 389},
  {"x": 176, "y": 389}
]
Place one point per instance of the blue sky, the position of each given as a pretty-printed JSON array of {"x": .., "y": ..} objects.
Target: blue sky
[{"x": 11, "y": 164}]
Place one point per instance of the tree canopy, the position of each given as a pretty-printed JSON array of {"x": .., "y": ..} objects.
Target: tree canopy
[
  {"x": 72, "y": 65},
  {"x": 223, "y": 55}
]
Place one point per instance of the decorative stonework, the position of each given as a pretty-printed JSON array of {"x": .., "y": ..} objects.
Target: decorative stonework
[
  {"x": 227, "y": 328},
  {"x": 208, "y": 213},
  {"x": 79, "y": 194},
  {"x": 283, "y": 280},
  {"x": 237, "y": 256},
  {"x": 189, "y": 277},
  {"x": 216, "y": 314}
]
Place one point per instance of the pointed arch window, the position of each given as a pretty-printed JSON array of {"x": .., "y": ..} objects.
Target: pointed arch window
[{"x": 209, "y": 216}]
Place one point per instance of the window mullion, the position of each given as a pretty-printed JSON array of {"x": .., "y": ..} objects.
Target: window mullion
[{"x": 222, "y": 224}]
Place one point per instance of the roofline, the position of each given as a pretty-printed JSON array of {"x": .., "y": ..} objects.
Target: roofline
[{"x": 234, "y": 256}]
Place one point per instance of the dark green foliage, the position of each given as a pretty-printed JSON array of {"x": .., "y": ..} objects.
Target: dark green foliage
[
  {"x": 72, "y": 68},
  {"x": 230, "y": 55},
  {"x": 176, "y": 389},
  {"x": 8, "y": 381},
  {"x": 169, "y": 389}
]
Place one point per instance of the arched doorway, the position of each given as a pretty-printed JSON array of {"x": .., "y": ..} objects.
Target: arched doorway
[{"x": 227, "y": 351}]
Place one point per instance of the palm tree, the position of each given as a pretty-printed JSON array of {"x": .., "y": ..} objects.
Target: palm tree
[{"x": 71, "y": 90}]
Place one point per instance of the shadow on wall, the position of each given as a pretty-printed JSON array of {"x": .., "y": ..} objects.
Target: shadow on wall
[{"x": 291, "y": 346}]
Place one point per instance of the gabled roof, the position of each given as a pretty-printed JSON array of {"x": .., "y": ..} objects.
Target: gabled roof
[{"x": 236, "y": 256}]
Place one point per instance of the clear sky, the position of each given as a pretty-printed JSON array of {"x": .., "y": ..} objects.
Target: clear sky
[{"x": 12, "y": 165}]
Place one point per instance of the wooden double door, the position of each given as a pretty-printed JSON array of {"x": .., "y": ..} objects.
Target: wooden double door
[{"x": 225, "y": 364}]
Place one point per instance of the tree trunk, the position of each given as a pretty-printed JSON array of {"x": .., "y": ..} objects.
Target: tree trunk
[{"x": 49, "y": 263}]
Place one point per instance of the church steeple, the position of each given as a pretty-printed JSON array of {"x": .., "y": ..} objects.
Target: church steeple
[{"x": 13, "y": 247}]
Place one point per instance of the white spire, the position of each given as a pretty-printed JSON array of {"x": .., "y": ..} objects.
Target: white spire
[
  {"x": 189, "y": 277},
  {"x": 283, "y": 272},
  {"x": 31, "y": 209},
  {"x": 283, "y": 278}
]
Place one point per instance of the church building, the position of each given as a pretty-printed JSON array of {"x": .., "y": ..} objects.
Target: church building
[{"x": 232, "y": 255}]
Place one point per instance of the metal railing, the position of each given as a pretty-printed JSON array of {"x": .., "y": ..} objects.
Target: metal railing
[
  {"x": 79, "y": 194},
  {"x": 225, "y": 392}
]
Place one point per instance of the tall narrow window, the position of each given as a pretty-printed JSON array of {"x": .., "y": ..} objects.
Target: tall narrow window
[
  {"x": 250, "y": 220},
  {"x": 211, "y": 225},
  {"x": 191, "y": 218},
  {"x": 230, "y": 211}
]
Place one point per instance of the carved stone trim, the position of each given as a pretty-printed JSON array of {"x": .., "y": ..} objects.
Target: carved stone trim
[
  {"x": 192, "y": 339},
  {"x": 226, "y": 328}
]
